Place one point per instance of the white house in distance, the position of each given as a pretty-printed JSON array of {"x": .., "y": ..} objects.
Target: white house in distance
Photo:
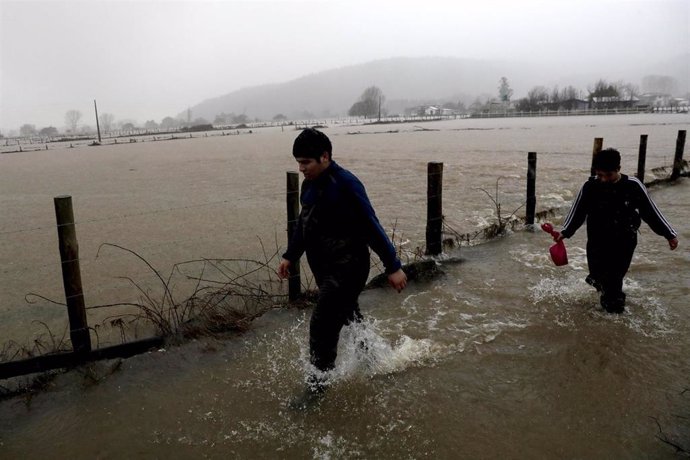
[
  {"x": 656, "y": 101},
  {"x": 429, "y": 111}
]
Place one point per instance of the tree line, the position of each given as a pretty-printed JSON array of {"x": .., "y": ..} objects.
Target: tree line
[
  {"x": 108, "y": 124},
  {"x": 371, "y": 104},
  {"x": 601, "y": 93}
]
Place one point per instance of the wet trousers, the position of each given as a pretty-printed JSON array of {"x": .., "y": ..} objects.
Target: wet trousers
[
  {"x": 336, "y": 307},
  {"x": 608, "y": 263}
]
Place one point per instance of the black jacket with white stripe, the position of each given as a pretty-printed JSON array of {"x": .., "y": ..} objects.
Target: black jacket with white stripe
[{"x": 614, "y": 211}]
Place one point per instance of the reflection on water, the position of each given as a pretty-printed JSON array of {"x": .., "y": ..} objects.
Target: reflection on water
[{"x": 505, "y": 355}]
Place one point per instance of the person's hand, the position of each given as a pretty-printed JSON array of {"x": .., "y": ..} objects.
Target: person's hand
[
  {"x": 284, "y": 269},
  {"x": 398, "y": 280},
  {"x": 558, "y": 237},
  {"x": 673, "y": 243}
]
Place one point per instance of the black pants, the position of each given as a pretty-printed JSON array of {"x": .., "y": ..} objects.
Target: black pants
[
  {"x": 609, "y": 261},
  {"x": 337, "y": 306}
]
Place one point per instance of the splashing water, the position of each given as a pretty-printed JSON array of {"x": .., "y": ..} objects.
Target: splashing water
[{"x": 364, "y": 351}]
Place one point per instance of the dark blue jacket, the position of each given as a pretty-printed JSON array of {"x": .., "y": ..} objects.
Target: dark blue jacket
[{"x": 337, "y": 225}]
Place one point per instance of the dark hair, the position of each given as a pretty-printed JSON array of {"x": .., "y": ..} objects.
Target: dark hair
[
  {"x": 312, "y": 143},
  {"x": 607, "y": 160}
]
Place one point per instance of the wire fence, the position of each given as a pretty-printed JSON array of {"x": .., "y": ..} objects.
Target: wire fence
[
  {"x": 120, "y": 137},
  {"x": 176, "y": 240},
  {"x": 123, "y": 255}
]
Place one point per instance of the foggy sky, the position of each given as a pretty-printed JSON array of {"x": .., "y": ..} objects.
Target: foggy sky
[{"x": 147, "y": 60}]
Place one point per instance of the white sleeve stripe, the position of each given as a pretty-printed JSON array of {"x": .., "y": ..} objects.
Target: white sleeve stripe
[
  {"x": 656, "y": 210},
  {"x": 571, "y": 214}
]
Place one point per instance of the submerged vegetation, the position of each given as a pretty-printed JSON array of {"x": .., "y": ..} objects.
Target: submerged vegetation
[
  {"x": 496, "y": 229},
  {"x": 196, "y": 298},
  {"x": 226, "y": 295}
]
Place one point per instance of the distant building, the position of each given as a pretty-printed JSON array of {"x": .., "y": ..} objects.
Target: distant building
[
  {"x": 428, "y": 111},
  {"x": 653, "y": 100},
  {"x": 613, "y": 102},
  {"x": 574, "y": 104},
  {"x": 568, "y": 104},
  {"x": 431, "y": 110}
]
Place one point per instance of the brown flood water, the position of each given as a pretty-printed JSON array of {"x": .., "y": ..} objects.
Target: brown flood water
[{"x": 504, "y": 356}]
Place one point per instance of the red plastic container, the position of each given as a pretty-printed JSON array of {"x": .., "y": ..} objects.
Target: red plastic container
[{"x": 559, "y": 255}]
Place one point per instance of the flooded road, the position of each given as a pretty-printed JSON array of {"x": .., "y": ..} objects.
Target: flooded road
[{"x": 504, "y": 355}]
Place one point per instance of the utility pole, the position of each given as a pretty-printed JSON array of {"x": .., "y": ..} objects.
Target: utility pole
[{"x": 379, "y": 108}]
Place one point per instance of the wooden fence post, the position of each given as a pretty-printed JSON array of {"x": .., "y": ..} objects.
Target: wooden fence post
[
  {"x": 642, "y": 157},
  {"x": 98, "y": 125},
  {"x": 71, "y": 275},
  {"x": 598, "y": 144},
  {"x": 434, "y": 208},
  {"x": 531, "y": 188},
  {"x": 294, "y": 282},
  {"x": 678, "y": 159}
]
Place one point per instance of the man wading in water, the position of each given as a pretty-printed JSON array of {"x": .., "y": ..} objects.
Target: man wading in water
[
  {"x": 336, "y": 227},
  {"x": 613, "y": 205}
]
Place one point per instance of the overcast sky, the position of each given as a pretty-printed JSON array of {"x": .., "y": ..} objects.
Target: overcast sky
[{"x": 146, "y": 60}]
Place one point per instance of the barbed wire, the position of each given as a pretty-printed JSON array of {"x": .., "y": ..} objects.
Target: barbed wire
[
  {"x": 87, "y": 261},
  {"x": 279, "y": 195},
  {"x": 141, "y": 276},
  {"x": 130, "y": 215}
]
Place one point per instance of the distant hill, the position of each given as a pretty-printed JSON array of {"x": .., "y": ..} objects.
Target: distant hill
[
  {"x": 333, "y": 92},
  {"x": 407, "y": 82}
]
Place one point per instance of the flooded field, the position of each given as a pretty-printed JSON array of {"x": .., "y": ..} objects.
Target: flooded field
[{"x": 503, "y": 356}]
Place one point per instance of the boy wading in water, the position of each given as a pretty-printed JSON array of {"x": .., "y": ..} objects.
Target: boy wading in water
[
  {"x": 613, "y": 205},
  {"x": 336, "y": 227}
]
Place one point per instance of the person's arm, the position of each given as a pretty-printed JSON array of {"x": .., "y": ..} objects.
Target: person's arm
[
  {"x": 376, "y": 236},
  {"x": 577, "y": 215},
  {"x": 652, "y": 216}
]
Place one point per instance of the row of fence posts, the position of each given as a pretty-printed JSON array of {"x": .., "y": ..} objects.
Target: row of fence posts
[
  {"x": 74, "y": 294},
  {"x": 434, "y": 215}
]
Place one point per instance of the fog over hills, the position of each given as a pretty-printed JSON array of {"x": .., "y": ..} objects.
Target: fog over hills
[{"x": 407, "y": 82}]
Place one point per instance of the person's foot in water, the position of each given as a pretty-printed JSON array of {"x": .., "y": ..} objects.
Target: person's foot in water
[
  {"x": 594, "y": 283},
  {"x": 613, "y": 304},
  {"x": 311, "y": 395}
]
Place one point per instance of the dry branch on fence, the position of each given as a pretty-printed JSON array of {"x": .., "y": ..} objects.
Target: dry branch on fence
[
  {"x": 400, "y": 243},
  {"x": 46, "y": 343},
  {"x": 491, "y": 231},
  {"x": 227, "y": 295},
  {"x": 500, "y": 227},
  {"x": 457, "y": 237}
]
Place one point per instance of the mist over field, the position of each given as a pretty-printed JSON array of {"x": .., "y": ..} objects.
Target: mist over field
[
  {"x": 144, "y": 61},
  {"x": 407, "y": 82}
]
